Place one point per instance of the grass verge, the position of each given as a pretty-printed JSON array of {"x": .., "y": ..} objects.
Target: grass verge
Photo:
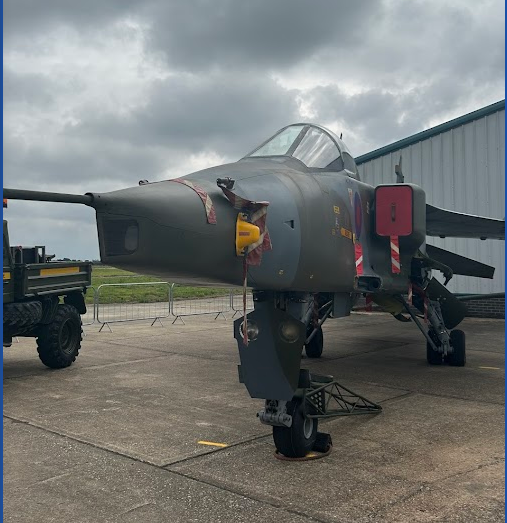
[{"x": 142, "y": 293}]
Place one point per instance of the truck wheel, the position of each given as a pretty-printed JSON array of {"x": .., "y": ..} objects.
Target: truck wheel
[
  {"x": 59, "y": 342},
  {"x": 22, "y": 315}
]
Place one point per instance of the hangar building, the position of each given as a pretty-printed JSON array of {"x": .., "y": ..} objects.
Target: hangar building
[{"x": 461, "y": 166}]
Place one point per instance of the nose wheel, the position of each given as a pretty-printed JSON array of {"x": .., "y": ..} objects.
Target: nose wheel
[
  {"x": 295, "y": 422},
  {"x": 298, "y": 439}
]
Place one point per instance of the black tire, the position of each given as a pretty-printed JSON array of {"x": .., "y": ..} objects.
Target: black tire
[
  {"x": 433, "y": 357},
  {"x": 315, "y": 347},
  {"x": 299, "y": 439},
  {"x": 59, "y": 342},
  {"x": 457, "y": 358},
  {"x": 22, "y": 316}
]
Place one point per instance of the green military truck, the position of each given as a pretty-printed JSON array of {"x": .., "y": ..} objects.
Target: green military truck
[{"x": 44, "y": 299}]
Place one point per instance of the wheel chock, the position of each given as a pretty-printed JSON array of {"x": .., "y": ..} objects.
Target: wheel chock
[{"x": 322, "y": 447}]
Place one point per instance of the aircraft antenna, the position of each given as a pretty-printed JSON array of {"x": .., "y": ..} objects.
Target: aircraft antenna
[{"x": 400, "y": 178}]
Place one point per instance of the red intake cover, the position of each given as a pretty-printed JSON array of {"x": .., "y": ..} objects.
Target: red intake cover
[{"x": 394, "y": 210}]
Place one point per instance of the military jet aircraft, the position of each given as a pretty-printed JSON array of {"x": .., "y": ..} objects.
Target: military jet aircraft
[{"x": 293, "y": 221}]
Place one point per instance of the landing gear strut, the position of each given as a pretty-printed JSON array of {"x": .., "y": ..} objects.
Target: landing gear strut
[
  {"x": 442, "y": 345},
  {"x": 320, "y": 311}
]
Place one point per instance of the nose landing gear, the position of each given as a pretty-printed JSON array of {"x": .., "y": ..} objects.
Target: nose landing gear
[{"x": 295, "y": 422}]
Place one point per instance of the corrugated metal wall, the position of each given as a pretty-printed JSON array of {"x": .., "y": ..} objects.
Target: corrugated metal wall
[{"x": 461, "y": 169}]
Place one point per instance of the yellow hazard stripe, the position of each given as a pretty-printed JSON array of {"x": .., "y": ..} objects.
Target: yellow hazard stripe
[
  {"x": 7, "y": 275},
  {"x": 59, "y": 270}
]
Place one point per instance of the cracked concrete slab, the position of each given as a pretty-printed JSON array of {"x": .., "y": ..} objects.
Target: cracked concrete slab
[
  {"x": 116, "y": 436},
  {"x": 48, "y": 477}
]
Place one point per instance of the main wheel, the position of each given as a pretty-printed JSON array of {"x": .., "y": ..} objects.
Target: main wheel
[
  {"x": 457, "y": 358},
  {"x": 315, "y": 347},
  {"x": 298, "y": 439},
  {"x": 59, "y": 342},
  {"x": 433, "y": 357}
]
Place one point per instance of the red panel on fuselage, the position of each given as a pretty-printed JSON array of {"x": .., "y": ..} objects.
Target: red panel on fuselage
[{"x": 394, "y": 210}]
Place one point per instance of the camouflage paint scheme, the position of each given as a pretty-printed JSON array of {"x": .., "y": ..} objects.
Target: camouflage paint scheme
[{"x": 318, "y": 212}]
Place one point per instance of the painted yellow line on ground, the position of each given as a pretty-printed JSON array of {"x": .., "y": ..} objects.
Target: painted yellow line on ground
[
  {"x": 213, "y": 444},
  {"x": 490, "y": 368},
  {"x": 61, "y": 270}
]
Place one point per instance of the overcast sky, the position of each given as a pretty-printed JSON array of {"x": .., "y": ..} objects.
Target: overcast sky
[{"x": 99, "y": 94}]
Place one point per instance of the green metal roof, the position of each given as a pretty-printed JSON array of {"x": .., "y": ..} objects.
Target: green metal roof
[{"x": 424, "y": 135}]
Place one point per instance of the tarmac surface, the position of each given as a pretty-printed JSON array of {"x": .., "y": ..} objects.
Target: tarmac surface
[{"x": 116, "y": 436}]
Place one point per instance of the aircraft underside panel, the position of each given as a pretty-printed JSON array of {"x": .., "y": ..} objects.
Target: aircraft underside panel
[{"x": 270, "y": 362}]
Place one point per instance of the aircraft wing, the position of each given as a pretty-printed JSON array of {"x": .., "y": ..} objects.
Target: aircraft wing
[
  {"x": 460, "y": 264},
  {"x": 441, "y": 222}
]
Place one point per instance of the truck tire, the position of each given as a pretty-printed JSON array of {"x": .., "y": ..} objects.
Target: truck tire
[
  {"x": 22, "y": 316},
  {"x": 59, "y": 342}
]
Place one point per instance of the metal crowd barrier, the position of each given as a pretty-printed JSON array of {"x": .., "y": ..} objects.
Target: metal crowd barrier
[
  {"x": 237, "y": 302},
  {"x": 129, "y": 309},
  {"x": 91, "y": 309},
  {"x": 217, "y": 305}
]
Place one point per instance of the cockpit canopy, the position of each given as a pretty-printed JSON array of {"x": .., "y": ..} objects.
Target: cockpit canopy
[{"x": 314, "y": 146}]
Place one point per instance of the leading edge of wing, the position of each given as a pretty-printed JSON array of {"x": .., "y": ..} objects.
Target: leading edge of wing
[
  {"x": 441, "y": 222},
  {"x": 460, "y": 264}
]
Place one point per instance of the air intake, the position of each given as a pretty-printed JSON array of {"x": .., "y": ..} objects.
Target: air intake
[{"x": 121, "y": 237}]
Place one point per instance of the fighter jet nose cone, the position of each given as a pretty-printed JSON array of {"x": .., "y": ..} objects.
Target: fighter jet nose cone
[{"x": 172, "y": 230}]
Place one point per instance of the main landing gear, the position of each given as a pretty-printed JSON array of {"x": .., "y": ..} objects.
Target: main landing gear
[
  {"x": 295, "y": 422},
  {"x": 442, "y": 345},
  {"x": 315, "y": 344},
  {"x": 456, "y": 358},
  {"x": 317, "y": 314}
]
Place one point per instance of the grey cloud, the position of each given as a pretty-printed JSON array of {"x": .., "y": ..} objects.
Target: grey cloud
[
  {"x": 201, "y": 34},
  {"x": 225, "y": 113},
  {"x": 184, "y": 115},
  {"x": 411, "y": 42},
  {"x": 77, "y": 165},
  {"x": 382, "y": 117},
  {"x": 28, "y": 88},
  {"x": 25, "y": 19}
]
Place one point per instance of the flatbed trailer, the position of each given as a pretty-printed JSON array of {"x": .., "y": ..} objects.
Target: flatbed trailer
[{"x": 44, "y": 299}]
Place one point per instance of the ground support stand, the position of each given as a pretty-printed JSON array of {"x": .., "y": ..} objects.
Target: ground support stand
[
  {"x": 326, "y": 398},
  {"x": 295, "y": 422}
]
